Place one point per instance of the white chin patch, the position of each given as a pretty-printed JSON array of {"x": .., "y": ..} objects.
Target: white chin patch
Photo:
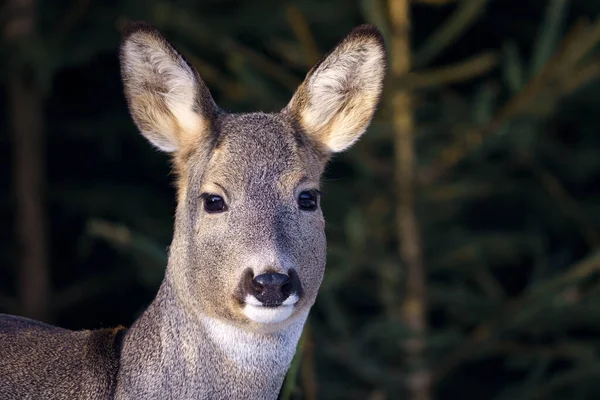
[{"x": 257, "y": 312}]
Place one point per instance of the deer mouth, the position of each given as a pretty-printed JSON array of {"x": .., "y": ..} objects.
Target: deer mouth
[
  {"x": 289, "y": 302},
  {"x": 269, "y": 314}
]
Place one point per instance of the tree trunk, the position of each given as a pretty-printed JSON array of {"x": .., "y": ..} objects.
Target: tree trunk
[
  {"x": 26, "y": 115},
  {"x": 413, "y": 310}
]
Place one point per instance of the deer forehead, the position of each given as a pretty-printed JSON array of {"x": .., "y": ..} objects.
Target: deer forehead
[{"x": 254, "y": 152}]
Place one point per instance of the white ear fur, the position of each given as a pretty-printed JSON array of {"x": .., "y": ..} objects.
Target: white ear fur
[
  {"x": 167, "y": 99},
  {"x": 339, "y": 96}
]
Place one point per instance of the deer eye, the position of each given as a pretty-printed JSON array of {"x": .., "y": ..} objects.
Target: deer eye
[
  {"x": 214, "y": 203},
  {"x": 307, "y": 200}
]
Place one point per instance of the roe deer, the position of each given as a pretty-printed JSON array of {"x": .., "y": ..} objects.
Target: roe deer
[{"x": 248, "y": 251}]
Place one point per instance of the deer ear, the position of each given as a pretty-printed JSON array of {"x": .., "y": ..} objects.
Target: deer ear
[
  {"x": 336, "y": 102},
  {"x": 168, "y": 101}
]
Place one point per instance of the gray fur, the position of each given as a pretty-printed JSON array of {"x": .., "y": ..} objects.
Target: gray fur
[
  {"x": 197, "y": 340},
  {"x": 39, "y": 361}
]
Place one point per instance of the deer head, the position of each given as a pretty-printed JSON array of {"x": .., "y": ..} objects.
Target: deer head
[{"x": 249, "y": 245}]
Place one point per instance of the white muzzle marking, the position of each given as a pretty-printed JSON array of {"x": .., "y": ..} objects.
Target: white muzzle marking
[{"x": 257, "y": 312}]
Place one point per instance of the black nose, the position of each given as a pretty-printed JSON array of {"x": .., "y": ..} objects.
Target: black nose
[
  {"x": 271, "y": 280},
  {"x": 271, "y": 288}
]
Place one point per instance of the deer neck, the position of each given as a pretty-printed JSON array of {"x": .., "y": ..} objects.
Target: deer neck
[{"x": 169, "y": 354}]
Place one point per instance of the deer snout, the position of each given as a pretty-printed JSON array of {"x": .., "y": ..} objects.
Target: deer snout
[
  {"x": 271, "y": 289},
  {"x": 269, "y": 297}
]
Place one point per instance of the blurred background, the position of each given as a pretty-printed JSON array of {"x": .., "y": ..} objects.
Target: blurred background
[{"x": 464, "y": 228}]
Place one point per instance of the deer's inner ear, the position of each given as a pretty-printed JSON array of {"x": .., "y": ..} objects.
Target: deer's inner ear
[
  {"x": 339, "y": 96},
  {"x": 168, "y": 101}
]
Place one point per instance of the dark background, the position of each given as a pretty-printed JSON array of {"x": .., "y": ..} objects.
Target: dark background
[{"x": 474, "y": 268}]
